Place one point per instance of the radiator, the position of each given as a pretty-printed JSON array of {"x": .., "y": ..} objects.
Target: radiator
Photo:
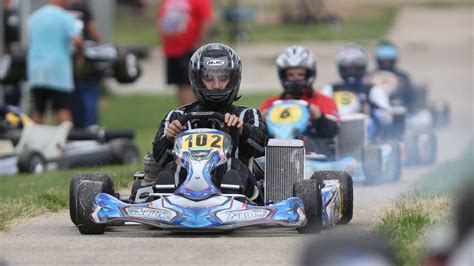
[{"x": 284, "y": 165}]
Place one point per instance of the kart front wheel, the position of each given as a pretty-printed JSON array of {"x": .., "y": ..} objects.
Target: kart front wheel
[
  {"x": 346, "y": 191},
  {"x": 309, "y": 191},
  {"x": 85, "y": 206},
  {"x": 107, "y": 181}
]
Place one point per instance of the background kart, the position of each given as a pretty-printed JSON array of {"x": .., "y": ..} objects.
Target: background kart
[
  {"x": 349, "y": 151},
  {"x": 102, "y": 59},
  {"x": 37, "y": 148},
  {"x": 421, "y": 119},
  {"x": 197, "y": 204}
]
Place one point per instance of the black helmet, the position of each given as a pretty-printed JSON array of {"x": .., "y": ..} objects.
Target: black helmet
[
  {"x": 215, "y": 58},
  {"x": 293, "y": 57},
  {"x": 386, "y": 54},
  {"x": 352, "y": 62}
]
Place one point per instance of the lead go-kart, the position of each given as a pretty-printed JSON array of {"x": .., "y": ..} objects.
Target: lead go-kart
[
  {"x": 419, "y": 124},
  {"x": 197, "y": 204},
  {"x": 349, "y": 151}
]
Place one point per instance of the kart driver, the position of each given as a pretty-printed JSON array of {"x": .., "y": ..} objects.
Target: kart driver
[
  {"x": 386, "y": 55},
  {"x": 215, "y": 73},
  {"x": 297, "y": 71},
  {"x": 352, "y": 63}
]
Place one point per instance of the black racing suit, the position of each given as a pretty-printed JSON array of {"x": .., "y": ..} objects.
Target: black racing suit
[
  {"x": 406, "y": 92},
  {"x": 254, "y": 137}
]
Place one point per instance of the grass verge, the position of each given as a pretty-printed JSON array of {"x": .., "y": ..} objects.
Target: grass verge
[
  {"x": 365, "y": 22},
  {"x": 30, "y": 195},
  {"x": 428, "y": 204}
]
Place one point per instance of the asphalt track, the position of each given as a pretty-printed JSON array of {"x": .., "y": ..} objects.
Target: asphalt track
[{"x": 437, "y": 48}]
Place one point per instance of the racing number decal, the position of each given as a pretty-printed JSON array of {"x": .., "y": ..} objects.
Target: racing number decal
[
  {"x": 344, "y": 98},
  {"x": 215, "y": 141},
  {"x": 286, "y": 114}
]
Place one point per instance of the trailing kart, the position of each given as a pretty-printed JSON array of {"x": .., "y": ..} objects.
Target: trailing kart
[
  {"x": 197, "y": 203},
  {"x": 37, "y": 148},
  {"x": 366, "y": 163},
  {"x": 418, "y": 127}
]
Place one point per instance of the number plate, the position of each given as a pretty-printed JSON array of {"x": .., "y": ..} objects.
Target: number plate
[
  {"x": 203, "y": 141},
  {"x": 286, "y": 114}
]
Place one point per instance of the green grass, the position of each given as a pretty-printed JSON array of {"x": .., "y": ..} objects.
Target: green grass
[
  {"x": 369, "y": 22},
  {"x": 427, "y": 204},
  {"x": 29, "y": 195}
]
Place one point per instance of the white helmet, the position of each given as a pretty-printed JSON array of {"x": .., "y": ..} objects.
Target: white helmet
[{"x": 293, "y": 57}]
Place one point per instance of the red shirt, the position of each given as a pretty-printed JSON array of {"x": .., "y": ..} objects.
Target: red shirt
[
  {"x": 180, "y": 24},
  {"x": 326, "y": 104}
]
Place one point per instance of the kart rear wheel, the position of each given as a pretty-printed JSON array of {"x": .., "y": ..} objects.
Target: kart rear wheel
[
  {"x": 32, "y": 162},
  {"x": 347, "y": 191},
  {"x": 393, "y": 169},
  {"x": 441, "y": 113},
  {"x": 426, "y": 147},
  {"x": 86, "y": 193},
  {"x": 372, "y": 164},
  {"x": 74, "y": 187},
  {"x": 125, "y": 152},
  {"x": 309, "y": 191}
]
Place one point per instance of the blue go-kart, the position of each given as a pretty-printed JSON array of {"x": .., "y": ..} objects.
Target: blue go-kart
[
  {"x": 349, "y": 151},
  {"x": 197, "y": 204}
]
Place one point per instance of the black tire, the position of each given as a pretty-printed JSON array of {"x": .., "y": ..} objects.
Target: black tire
[
  {"x": 32, "y": 162},
  {"x": 372, "y": 164},
  {"x": 309, "y": 191},
  {"x": 393, "y": 171},
  {"x": 125, "y": 152},
  {"x": 127, "y": 68},
  {"x": 347, "y": 193},
  {"x": 86, "y": 193},
  {"x": 426, "y": 148},
  {"x": 74, "y": 187},
  {"x": 441, "y": 113}
]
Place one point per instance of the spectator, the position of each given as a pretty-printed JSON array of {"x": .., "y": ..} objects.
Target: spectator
[
  {"x": 183, "y": 26},
  {"x": 49, "y": 59},
  {"x": 11, "y": 23},
  {"x": 87, "y": 81}
]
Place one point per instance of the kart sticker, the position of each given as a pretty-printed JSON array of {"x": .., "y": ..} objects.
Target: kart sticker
[
  {"x": 203, "y": 141},
  {"x": 346, "y": 102},
  {"x": 286, "y": 114}
]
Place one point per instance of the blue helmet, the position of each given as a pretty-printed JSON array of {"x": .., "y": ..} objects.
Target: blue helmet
[{"x": 386, "y": 55}]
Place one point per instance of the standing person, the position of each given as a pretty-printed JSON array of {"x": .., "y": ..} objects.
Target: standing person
[
  {"x": 87, "y": 81},
  {"x": 52, "y": 30},
  {"x": 11, "y": 34},
  {"x": 183, "y": 26}
]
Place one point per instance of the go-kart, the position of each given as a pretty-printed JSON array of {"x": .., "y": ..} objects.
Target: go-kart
[
  {"x": 101, "y": 60},
  {"x": 418, "y": 128},
  {"x": 197, "y": 203},
  {"x": 380, "y": 155},
  {"x": 369, "y": 164},
  {"x": 38, "y": 148}
]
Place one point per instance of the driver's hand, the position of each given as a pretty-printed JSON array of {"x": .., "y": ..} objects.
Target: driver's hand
[
  {"x": 231, "y": 120},
  {"x": 174, "y": 128},
  {"x": 264, "y": 113},
  {"x": 315, "y": 111}
]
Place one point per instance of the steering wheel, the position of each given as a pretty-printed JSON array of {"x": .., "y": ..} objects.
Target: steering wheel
[{"x": 204, "y": 117}]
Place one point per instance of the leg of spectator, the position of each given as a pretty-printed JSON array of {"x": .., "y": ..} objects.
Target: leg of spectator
[{"x": 63, "y": 115}]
